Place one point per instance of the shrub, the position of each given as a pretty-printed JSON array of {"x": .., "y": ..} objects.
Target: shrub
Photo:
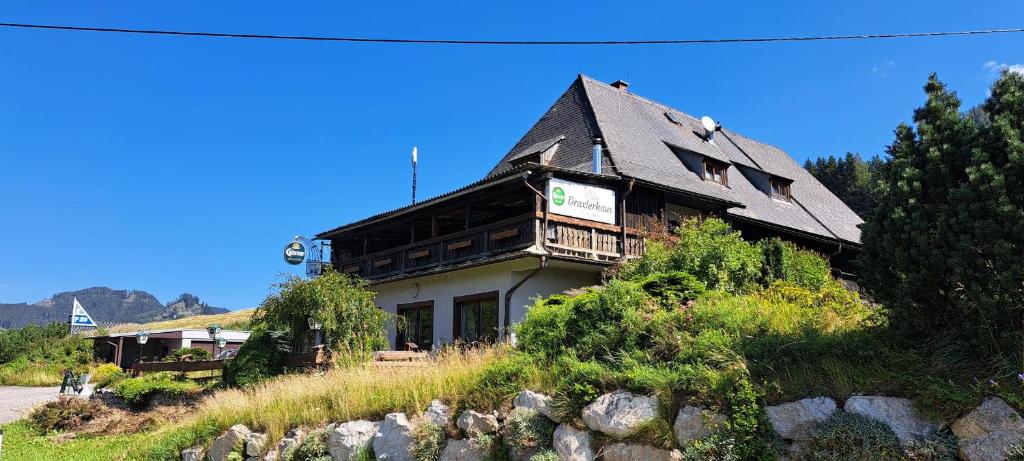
[
  {"x": 546, "y": 455},
  {"x": 427, "y": 441},
  {"x": 260, "y": 357},
  {"x": 313, "y": 447},
  {"x": 937, "y": 446},
  {"x": 107, "y": 374},
  {"x": 849, "y": 436},
  {"x": 196, "y": 353},
  {"x": 672, "y": 288},
  {"x": 64, "y": 414},
  {"x": 526, "y": 429},
  {"x": 715, "y": 447},
  {"x": 579, "y": 384},
  {"x": 785, "y": 261},
  {"x": 504, "y": 378},
  {"x": 137, "y": 392}
]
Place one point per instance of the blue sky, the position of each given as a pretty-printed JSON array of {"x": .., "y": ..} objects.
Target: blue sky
[{"x": 185, "y": 164}]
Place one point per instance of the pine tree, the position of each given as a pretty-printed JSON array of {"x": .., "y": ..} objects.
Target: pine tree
[
  {"x": 944, "y": 247},
  {"x": 851, "y": 178}
]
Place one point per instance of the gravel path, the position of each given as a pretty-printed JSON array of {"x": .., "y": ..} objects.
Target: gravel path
[{"x": 15, "y": 401}]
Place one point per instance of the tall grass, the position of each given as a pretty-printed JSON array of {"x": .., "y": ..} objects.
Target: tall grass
[{"x": 361, "y": 392}]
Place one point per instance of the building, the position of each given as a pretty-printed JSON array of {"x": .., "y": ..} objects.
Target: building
[
  {"x": 124, "y": 348},
  {"x": 573, "y": 196}
]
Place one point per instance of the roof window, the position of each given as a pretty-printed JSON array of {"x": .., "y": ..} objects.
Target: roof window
[
  {"x": 672, "y": 118},
  {"x": 780, "y": 189}
]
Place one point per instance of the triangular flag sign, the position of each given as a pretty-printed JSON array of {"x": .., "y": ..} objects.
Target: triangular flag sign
[{"x": 79, "y": 317}]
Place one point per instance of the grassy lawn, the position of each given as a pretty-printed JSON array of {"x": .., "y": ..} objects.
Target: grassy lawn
[
  {"x": 22, "y": 443},
  {"x": 237, "y": 320}
]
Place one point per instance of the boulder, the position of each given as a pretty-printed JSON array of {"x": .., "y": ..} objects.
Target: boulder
[
  {"x": 620, "y": 412},
  {"x": 255, "y": 444},
  {"x": 393, "y": 439},
  {"x": 462, "y": 450},
  {"x": 694, "y": 423},
  {"x": 192, "y": 454},
  {"x": 572, "y": 444},
  {"x": 474, "y": 423},
  {"x": 540, "y": 403},
  {"x": 635, "y": 452},
  {"x": 226, "y": 443},
  {"x": 897, "y": 413},
  {"x": 793, "y": 420},
  {"x": 347, "y": 439},
  {"x": 286, "y": 445},
  {"x": 438, "y": 413},
  {"x": 988, "y": 431}
]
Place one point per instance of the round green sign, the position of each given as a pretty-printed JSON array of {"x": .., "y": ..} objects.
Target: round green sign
[
  {"x": 558, "y": 196},
  {"x": 294, "y": 253}
]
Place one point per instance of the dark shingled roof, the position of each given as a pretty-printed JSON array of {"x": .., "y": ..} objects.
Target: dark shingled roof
[{"x": 640, "y": 141}]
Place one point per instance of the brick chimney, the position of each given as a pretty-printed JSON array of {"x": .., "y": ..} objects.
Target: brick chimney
[{"x": 621, "y": 85}]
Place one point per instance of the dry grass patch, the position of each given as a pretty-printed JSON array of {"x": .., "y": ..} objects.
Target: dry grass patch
[{"x": 229, "y": 321}]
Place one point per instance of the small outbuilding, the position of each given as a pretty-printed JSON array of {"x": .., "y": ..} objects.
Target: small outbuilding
[{"x": 125, "y": 348}]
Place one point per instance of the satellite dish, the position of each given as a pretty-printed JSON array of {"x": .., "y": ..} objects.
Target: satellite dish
[{"x": 709, "y": 123}]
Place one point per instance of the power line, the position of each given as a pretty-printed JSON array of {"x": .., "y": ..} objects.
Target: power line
[{"x": 512, "y": 42}]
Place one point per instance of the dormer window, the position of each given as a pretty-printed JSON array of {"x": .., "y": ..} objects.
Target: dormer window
[
  {"x": 715, "y": 171},
  {"x": 532, "y": 158},
  {"x": 780, "y": 189}
]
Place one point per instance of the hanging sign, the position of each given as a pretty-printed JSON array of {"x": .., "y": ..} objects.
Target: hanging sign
[
  {"x": 294, "y": 253},
  {"x": 79, "y": 317},
  {"x": 581, "y": 201}
]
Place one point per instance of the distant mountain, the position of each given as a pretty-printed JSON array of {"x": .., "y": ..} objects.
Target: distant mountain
[{"x": 106, "y": 306}]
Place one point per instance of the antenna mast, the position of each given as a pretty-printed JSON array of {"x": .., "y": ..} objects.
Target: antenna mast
[{"x": 413, "y": 175}]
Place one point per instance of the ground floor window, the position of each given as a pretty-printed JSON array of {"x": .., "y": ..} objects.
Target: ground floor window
[
  {"x": 416, "y": 326},
  {"x": 476, "y": 317}
]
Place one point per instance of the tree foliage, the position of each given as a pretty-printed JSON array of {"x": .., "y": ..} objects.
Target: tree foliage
[
  {"x": 944, "y": 248},
  {"x": 851, "y": 178},
  {"x": 340, "y": 303}
]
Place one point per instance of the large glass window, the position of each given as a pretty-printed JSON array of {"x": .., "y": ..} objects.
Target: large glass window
[
  {"x": 476, "y": 317},
  {"x": 416, "y": 326}
]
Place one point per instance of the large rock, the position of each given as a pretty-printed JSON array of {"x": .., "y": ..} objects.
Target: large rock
[
  {"x": 255, "y": 444},
  {"x": 462, "y": 450},
  {"x": 897, "y": 413},
  {"x": 572, "y": 444},
  {"x": 793, "y": 420},
  {"x": 540, "y": 403},
  {"x": 987, "y": 431},
  {"x": 393, "y": 439},
  {"x": 694, "y": 423},
  {"x": 192, "y": 454},
  {"x": 226, "y": 443},
  {"x": 346, "y": 440},
  {"x": 438, "y": 413},
  {"x": 286, "y": 446},
  {"x": 620, "y": 412},
  {"x": 474, "y": 423},
  {"x": 635, "y": 452}
]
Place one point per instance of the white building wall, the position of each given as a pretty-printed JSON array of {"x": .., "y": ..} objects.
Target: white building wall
[{"x": 500, "y": 277}]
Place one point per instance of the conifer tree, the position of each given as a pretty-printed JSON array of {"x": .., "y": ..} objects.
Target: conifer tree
[{"x": 944, "y": 248}]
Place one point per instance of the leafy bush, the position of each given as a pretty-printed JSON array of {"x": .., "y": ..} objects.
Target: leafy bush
[
  {"x": 137, "y": 392},
  {"x": 672, "y": 288},
  {"x": 64, "y": 414},
  {"x": 260, "y": 357},
  {"x": 197, "y": 353},
  {"x": 38, "y": 355},
  {"x": 849, "y": 436},
  {"x": 579, "y": 384},
  {"x": 937, "y": 446},
  {"x": 340, "y": 303},
  {"x": 708, "y": 249},
  {"x": 715, "y": 447},
  {"x": 107, "y": 374},
  {"x": 785, "y": 261},
  {"x": 526, "y": 429},
  {"x": 427, "y": 441},
  {"x": 546, "y": 455},
  {"x": 313, "y": 447}
]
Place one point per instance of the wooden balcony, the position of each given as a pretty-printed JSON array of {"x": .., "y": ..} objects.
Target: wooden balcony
[{"x": 481, "y": 242}]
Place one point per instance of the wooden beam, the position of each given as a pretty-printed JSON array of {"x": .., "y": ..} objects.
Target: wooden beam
[{"x": 504, "y": 234}]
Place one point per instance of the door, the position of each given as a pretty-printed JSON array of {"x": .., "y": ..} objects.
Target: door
[
  {"x": 476, "y": 318},
  {"x": 416, "y": 325}
]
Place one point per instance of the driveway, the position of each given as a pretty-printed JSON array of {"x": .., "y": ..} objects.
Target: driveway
[{"x": 16, "y": 401}]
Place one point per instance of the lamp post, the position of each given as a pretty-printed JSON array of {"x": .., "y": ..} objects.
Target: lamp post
[
  {"x": 141, "y": 338},
  {"x": 220, "y": 342},
  {"x": 316, "y": 327},
  {"x": 213, "y": 330}
]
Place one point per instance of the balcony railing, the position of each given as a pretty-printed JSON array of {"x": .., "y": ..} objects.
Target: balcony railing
[{"x": 476, "y": 243}]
